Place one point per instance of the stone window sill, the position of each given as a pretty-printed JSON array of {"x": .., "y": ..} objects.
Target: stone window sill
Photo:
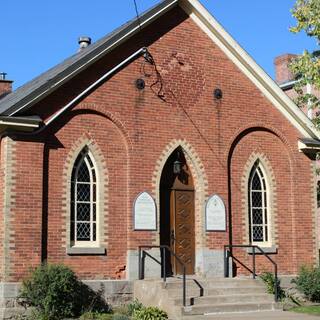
[
  {"x": 86, "y": 251},
  {"x": 272, "y": 250}
]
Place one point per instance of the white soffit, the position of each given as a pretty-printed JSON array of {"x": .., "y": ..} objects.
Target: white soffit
[{"x": 249, "y": 67}]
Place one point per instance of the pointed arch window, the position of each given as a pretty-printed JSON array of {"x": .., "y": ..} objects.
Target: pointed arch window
[
  {"x": 83, "y": 224},
  {"x": 259, "y": 220}
]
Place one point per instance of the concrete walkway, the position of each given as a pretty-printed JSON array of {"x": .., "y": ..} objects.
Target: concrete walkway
[{"x": 263, "y": 315}]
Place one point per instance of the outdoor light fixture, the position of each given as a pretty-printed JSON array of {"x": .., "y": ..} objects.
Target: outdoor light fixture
[
  {"x": 177, "y": 165},
  {"x": 140, "y": 84},
  {"x": 217, "y": 93}
]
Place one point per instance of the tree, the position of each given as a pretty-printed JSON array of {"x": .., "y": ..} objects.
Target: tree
[{"x": 306, "y": 67}]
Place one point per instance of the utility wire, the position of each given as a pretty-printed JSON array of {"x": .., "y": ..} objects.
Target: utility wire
[{"x": 137, "y": 13}]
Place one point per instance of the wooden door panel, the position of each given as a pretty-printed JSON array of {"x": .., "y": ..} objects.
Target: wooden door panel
[{"x": 184, "y": 244}]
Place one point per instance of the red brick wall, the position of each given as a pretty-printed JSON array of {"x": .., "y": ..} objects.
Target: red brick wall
[
  {"x": 2, "y": 204},
  {"x": 132, "y": 128},
  {"x": 26, "y": 212}
]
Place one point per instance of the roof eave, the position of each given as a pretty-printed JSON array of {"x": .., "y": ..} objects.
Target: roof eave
[{"x": 23, "y": 124}]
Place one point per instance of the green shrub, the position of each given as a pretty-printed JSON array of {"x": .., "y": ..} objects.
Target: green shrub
[
  {"x": 308, "y": 282},
  {"x": 122, "y": 309},
  {"x": 133, "y": 306},
  {"x": 149, "y": 313},
  {"x": 118, "y": 316},
  {"x": 269, "y": 280},
  {"x": 55, "y": 292},
  {"x": 51, "y": 290},
  {"x": 96, "y": 316}
]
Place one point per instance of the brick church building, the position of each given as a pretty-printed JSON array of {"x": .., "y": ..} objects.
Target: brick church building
[{"x": 130, "y": 141}]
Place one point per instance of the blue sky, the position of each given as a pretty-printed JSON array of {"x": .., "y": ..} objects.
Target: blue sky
[{"x": 36, "y": 34}]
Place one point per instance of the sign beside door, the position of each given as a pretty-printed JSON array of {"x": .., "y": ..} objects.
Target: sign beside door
[
  {"x": 215, "y": 214},
  {"x": 144, "y": 212}
]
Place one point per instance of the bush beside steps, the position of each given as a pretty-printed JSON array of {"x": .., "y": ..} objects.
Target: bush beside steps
[{"x": 53, "y": 292}]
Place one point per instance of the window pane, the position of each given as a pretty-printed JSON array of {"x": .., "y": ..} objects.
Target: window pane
[
  {"x": 72, "y": 211},
  {"x": 266, "y": 233},
  {"x": 83, "y": 173},
  {"x": 257, "y": 233},
  {"x": 72, "y": 231},
  {"x": 94, "y": 232},
  {"x": 94, "y": 212},
  {"x": 89, "y": 160},
  {"x": 256, "y": 183},
  {"x": 256, "y": 199},
  {"x": 83, "y": 212},
  {"x": 83, "y": 231},
  {"x": 257, "y": 216},
  {"x": 83, "y": 192},
  {"x": 72, "y": 191},
  {"x": 94, "y": 196},
  {"x": 265, "y": 217}
]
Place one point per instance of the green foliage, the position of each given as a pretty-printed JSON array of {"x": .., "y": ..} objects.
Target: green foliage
[
  {"x": 306, "y": 67},
  {"x": 119, "y": 316},
  {"x": 129, "y": 309},
  {"x": 149, "y": 313},
  {"x": 96, "y": 316},
  {"x": 308, "y": 282},
  {"x": 55, "y": 292},
  {"x": 307, "y": 309},
  {"x": 133, "y": 306},
  {"x": 307, "y": 14},
  {"x": 123, "y": 309},
  {"x": 269, "y": 280},
  {"x": 51, "y": 290}
]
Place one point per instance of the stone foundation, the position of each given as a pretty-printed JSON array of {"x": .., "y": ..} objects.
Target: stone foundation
[{"x": 115, "y": 292}]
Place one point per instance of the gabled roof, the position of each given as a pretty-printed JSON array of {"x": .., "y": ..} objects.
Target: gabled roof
[
  {"x": 26, "y": 96},
  {"x": 44, "y": 84}
]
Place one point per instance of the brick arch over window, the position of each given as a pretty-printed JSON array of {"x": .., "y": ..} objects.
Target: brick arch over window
[
  {"x": 232, "y": 145},
  {"x": 200, "y": 183},
  {"x": 101, "y": 109},
  {"x": 272, "y": 196},
  {"x": 258, "y": 126},
  {"x": 102, "y": 193}
]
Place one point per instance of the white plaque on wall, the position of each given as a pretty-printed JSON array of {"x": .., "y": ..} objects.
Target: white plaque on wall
[
  {"x": 215, "y": 214},
  {"x": 144, "y": 212}
]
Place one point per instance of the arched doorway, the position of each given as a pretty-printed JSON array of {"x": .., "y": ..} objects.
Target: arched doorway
[{"x": 177, "y": 214}]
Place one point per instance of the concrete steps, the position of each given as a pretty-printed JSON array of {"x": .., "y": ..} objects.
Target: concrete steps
[
  {"x": 232, "y": 298},
  {"x": 207, "y": 296}
]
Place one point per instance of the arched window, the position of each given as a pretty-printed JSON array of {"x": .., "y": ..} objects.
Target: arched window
[
  {"x": 259, "y": 220},
  {"x": 83, "y": 226}
]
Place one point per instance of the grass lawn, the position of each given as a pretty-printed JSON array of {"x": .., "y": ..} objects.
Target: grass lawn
[{"x": 315, "y": 310}]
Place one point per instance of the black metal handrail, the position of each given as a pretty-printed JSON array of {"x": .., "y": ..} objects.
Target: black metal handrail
[
  {"x": 228, "y": 254},
  {"x": 163, "y": 248}
]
